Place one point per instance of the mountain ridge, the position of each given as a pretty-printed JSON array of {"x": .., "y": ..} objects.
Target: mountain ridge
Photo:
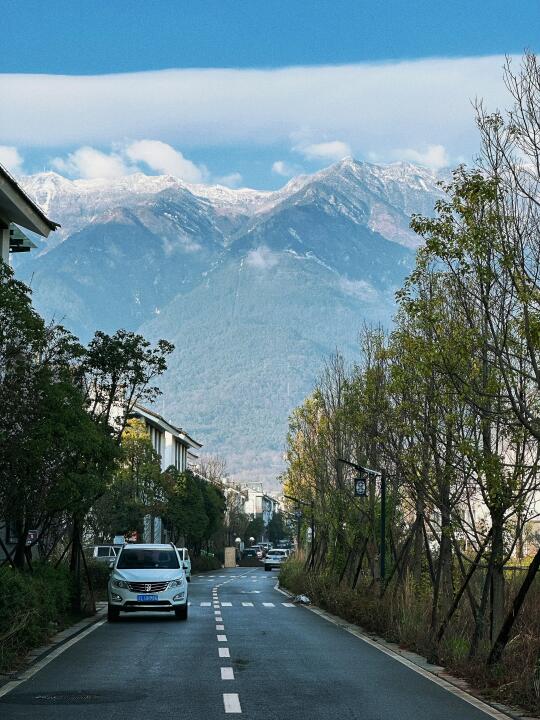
[{"x": 254, "y": 288}]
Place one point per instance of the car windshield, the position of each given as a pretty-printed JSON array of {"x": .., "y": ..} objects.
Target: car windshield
[{"x": 139, "y": 559}]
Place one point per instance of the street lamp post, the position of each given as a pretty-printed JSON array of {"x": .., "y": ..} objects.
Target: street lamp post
[
  {"x": 311, "y": 505},
  {"x": 360, "y": 491}
]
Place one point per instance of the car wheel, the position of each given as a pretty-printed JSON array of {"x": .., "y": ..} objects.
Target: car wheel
[
  {"x": 113, "y": 613},
  {"x": 188, "y": 578},
  {"x": 181, "y": 613}
]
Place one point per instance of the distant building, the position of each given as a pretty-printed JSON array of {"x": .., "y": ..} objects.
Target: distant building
[
  {"x": 17, "y": 209},
  {"x": 259, "y": 503}
]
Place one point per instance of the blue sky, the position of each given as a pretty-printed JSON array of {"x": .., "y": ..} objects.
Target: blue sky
[{"x": 306, "y": 82}]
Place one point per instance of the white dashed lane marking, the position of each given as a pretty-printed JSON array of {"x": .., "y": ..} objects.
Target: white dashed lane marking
[
  {"x": 224, "y": 652},
  {"x": 222, "y": 638},
  {"x": 227, "y": 673},
  {"x": 231, "y": 702},
  {"x": 217, "y": 606},
  {"x": 220, "y": 627}
]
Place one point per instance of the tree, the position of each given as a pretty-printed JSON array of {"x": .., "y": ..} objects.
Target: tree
[
  {"x": 53, "y": 456},
  {"x": 134, "y": 490},
  {"x": 184, "y": 508},
  {"x": 277, "y": 529},
  {"x": 255, "y": 529},
  {"x": 117, "y": 372}
]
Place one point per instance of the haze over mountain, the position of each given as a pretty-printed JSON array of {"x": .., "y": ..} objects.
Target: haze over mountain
[{"x": 253, "y": 288}]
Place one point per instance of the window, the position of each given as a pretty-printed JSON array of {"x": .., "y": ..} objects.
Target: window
[
  {"x": 155, "y": 437},
  {"x": 178, "y": 455},
  {"x": 147, "y": 559},
  {"x": 103, "y": 551}
]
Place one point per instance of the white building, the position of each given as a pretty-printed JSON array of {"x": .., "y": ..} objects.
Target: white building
[
  {"x": 259, "y": 503},
  {"x": 16, "y": 208},
  {"x": 175, "y": 447}
]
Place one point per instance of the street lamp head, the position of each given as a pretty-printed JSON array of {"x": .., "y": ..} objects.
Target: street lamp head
[
  {"x": 360, "y": 487},
  {"x": 238, "y": 540},
  {"x": 252, "y": 539}
]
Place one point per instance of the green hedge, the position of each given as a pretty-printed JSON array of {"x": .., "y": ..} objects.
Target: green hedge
[
  {"x": 32, "y": 607},
  {"x": 205, "y": 562},
  {"x": 99, "y": 575}
]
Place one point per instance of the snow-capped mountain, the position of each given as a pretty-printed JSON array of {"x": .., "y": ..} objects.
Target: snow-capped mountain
[{"x": 254, "y": 288}]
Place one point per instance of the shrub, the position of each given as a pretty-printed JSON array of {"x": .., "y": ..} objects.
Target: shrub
[
  {"x": 99, "y": 575},
  {"x": 202, "y": 563},
  {"x": 32, "y": 607}
]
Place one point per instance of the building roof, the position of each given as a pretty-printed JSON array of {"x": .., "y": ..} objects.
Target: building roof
[
  {"x": 160, "y": 422},
  {"x": 17, "y": 207}
]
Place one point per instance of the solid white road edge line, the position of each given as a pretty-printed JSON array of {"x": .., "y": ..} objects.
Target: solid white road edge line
[
  {"x": 227, "y": 673},
  {"x": 475, "y": 702},
  {"x": 27, "y": 674},
  {"x": 231, "y": 703}
]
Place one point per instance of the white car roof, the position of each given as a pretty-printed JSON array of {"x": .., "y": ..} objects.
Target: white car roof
[{"x": 148, "y": 546}]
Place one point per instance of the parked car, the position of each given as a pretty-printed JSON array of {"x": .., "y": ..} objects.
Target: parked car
[
  {"x": 103, "y": 553},
  {"x": 147, "y": 577},
  {"x": 275, "y": 558},
  {"x": 186, "y": 562}
]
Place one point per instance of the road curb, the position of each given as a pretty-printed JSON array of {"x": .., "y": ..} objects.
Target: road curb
[
  {"x": 419, "y": 664},
  {"x": 37, "y": 655}
]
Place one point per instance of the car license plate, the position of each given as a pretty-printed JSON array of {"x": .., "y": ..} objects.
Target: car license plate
[{"x": 147, "y": 598}]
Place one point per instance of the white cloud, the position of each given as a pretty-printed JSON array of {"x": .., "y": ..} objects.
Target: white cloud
[
  {"x": 11, "y": 159},
  {"x": 434, "y": 156},
  {"x": 262, "y": 258},
  {"x": 369, "y": 107},
  {"x": 233, "y": 180},
  {"x": 163, "y": 158},
  {"x": 87, "y": 162},
  {"x": 359, "y": 289},
  {"x": 327, "y": 151},
  {"x": 285, "y": 169}
]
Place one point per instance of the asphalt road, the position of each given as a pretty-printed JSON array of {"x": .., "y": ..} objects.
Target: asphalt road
[{"x": 245, "y": 650}]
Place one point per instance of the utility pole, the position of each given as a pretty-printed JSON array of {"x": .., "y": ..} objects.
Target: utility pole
[
  {"x": 361, "y": 483},
  {"x": 311, "y": 505},
  {"x": 383, "y": 527}
]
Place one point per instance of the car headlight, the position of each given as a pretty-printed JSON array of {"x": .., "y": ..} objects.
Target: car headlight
[
  {"x": 119, "y": 583},
  {"x": 176, "y": 583}
]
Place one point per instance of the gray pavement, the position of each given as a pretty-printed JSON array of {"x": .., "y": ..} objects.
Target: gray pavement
[{"x": 286, "y": 663}]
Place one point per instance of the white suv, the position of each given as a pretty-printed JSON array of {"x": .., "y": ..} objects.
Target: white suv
[
  {"x": 148, "y": 577},
  {"x": 274, "y": 558}
]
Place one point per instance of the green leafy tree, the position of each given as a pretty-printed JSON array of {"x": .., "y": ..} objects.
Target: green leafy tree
[
  {"x": 134, "y": 490},
  {"x": 254, "y": 529},
  {"x": 277, "y": 529}
]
